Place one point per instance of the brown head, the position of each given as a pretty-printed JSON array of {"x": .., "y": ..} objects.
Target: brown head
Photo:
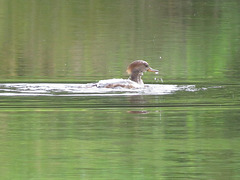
[{"x": 136, "y": 70}]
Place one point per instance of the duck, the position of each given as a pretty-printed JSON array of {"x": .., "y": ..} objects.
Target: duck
[{"x": 135, "y": 71}]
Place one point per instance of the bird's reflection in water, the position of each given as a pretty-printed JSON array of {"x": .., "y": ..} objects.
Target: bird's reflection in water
[
  {"x": 138, "y": 101},
  {"x": 138, "y": 112}
]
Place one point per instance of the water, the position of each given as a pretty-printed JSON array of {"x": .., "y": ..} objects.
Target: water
[{"x": 183, "y": 125}]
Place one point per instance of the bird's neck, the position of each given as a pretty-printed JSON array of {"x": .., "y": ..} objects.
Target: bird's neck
[{"x": 136, "y": 77}]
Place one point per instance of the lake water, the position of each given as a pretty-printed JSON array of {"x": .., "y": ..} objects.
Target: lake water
[{"x": 184, "y": 125}]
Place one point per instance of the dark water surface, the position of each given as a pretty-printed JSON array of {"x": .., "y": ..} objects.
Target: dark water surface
[{"x": 186, "y": 127}]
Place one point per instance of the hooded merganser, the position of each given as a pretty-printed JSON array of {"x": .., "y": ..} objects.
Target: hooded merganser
[{"x": 135, "y": 70}]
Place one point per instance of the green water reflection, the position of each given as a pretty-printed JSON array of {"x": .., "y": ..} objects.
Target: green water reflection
[
  {"x": 192, "y": 143},
  {"x": 180, "y": 135},
  {"x": 85, "y": 41}
]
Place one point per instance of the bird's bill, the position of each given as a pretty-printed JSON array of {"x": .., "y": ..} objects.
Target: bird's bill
[{"x": 152, "y": 70}]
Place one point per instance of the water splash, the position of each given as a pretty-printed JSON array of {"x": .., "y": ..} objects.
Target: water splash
[
  {"x": 158, "y": 79},
  {"x": 66, "y": 89}
]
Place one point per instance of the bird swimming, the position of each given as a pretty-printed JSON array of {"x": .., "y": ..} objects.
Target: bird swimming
[{"x": 135, "y": 71}]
